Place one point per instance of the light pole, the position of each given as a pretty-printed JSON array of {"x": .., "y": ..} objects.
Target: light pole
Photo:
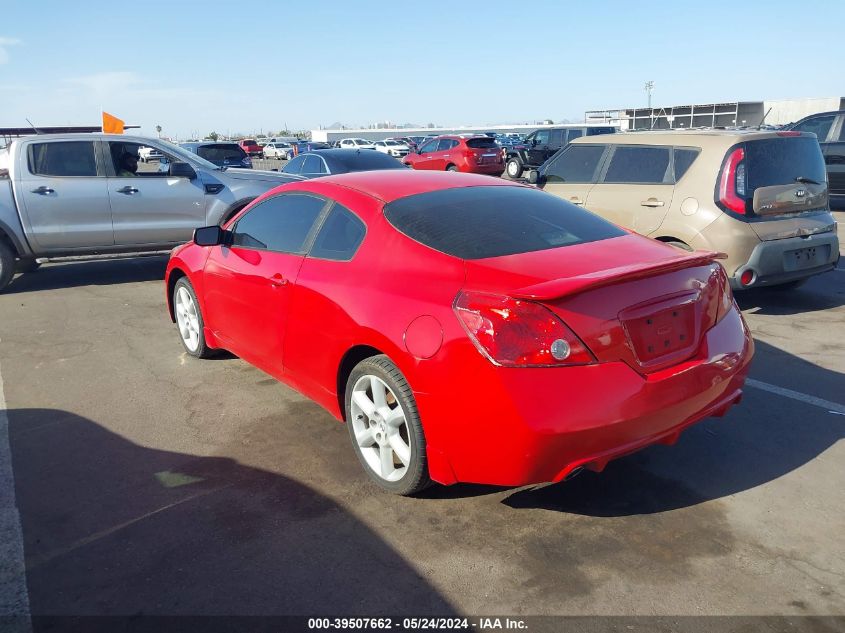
[{"x": 649, "y": 86}]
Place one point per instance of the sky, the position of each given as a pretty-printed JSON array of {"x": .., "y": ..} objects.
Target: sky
[{"x": 256, "y": 66}]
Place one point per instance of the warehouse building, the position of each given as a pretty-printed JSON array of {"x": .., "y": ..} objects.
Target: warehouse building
[{"x": 729, "y": 114}]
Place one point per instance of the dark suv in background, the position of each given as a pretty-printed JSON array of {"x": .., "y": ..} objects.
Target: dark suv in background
[
  {"x": 829, "y": 128},
  {"x": 542, "y": 144},
  {"x": 220, "y": 153}
]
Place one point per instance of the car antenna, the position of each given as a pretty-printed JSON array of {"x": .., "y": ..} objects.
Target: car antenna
[
  {"x": 37, "y": 131},
  {"x": 763, "y": 120}
]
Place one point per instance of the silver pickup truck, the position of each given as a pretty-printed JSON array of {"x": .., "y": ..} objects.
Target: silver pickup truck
[{"x": 73, "y": 194}]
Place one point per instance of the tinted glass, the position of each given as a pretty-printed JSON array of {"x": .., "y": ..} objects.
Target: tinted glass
[
  {"x": 842, "y": 132},
  {"x": 294, "y": 165},
  {"x": 638, "y": 164},
  {"x": 542, "y": 137},
  {"x": 683, "y": 159},
  {"x": 482, "y": 143},
  {"x": 444, "y": 144},
  {"x": 74, "y": 158},
  {"x": 222, "y": 153},
  {"x": 340, "y": 235},
  {"x": 558, "y": 138},
  {"x": 779, "y": 161},
  {"x": 573, "y": 134},
  {"x": 431, "y": 146},
  {"x": 313, "y": 165},
  {"x": 479, "y": 222},
  {"x": 364, "y": 161},
  {"x": 592, "y": 131},
  {"x": 820, "y": 126},
  {"x": 577, "y": 163},
  {"x": 278, "y": 224}
]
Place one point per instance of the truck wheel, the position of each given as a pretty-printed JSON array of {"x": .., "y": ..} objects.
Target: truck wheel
[
  {"x": 514, "y": 168},
  {"x": 7, "y": 265}
]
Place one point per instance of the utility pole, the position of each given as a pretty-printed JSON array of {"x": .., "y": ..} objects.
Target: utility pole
[{"x": 649, "y": 86}]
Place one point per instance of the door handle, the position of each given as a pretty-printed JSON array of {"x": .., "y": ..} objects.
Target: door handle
[
  {"x": 652, "y": 202},
  {"x": 445, "y": 155},
  {"x": 576, "y": 200},
  {"x": 43, "y": 191},
  {"x": 278, "y": 280},
  {"x": 127, "y": 190}
]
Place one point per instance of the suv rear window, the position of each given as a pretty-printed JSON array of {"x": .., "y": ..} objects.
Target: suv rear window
[
  {"x": 482, "y": 143},
  {"x": 779, "y": 161},
  {"x": 481, "y": 222},
  {"x": 222, "y": 152}
]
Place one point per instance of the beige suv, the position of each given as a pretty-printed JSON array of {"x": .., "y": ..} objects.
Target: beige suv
[{"x": 761, "y": 197}]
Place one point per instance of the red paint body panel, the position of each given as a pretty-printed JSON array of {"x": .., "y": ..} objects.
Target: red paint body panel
[
  {"x": 467, "y": 159},
  {"x": 485, "y": 423}
]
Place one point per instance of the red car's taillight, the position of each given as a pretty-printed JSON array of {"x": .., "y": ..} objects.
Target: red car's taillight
[
  {"x": 516, "y": 333},
  {"x": 732, "y": 182}
]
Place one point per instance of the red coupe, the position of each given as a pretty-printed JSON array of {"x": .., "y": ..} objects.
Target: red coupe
[{"x": 465, "y": 328}]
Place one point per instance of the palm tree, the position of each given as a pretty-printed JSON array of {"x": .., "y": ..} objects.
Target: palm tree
[{"x": 158, "y": 130}]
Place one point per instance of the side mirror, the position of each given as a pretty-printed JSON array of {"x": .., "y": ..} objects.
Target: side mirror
[
  {"x": 182, "y": 170},
  {"x": 210, "y": 235},
  {"x": 536, "y": 178}
]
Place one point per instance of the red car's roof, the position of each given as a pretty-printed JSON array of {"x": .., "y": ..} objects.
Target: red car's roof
[{"x": 390, "y": 184}]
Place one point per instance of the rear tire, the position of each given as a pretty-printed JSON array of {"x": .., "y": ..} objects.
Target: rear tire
[
  {"x": 7, "y": 265},
  {"x": 384, "y": 426},
  {"x": 451, "y": 168},
  {"x": 513, "y": 168}
]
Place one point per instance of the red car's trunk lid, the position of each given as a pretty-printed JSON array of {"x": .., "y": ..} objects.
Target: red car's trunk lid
[{"x": 650, "y": 314}]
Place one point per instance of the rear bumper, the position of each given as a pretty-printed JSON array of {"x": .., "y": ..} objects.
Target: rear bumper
[
  {"x": 781, "y": 261},
  {"x": 493, "y": 169},
  {"x": 540, "y": 424}
]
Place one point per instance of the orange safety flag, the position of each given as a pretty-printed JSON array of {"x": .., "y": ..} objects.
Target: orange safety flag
[{"x": 111, "y": 124}]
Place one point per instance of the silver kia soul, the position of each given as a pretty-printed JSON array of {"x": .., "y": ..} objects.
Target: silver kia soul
[{"x": 761, "y": 197}]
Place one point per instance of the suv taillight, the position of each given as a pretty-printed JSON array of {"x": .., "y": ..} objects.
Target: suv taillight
[
  {"x": 732, "y": 182},
  {"x": 515, "y": 333}
]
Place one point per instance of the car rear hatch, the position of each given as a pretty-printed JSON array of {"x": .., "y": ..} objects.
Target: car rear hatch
[
  {"x": 632, "y": 300},
  {"x": 483, "y": 150},
  {"x": 785, "y": 191}
]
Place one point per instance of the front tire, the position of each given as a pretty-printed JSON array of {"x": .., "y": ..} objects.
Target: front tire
[
  {"x": 513, "y": 168},
  {"x": 189, "y": 320},
  {"x": 385, "y": 427}
]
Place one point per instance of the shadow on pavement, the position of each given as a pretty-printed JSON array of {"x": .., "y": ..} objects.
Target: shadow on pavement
[
  {"x": 114, "y": 528},
  {"x": 817, "y": 294},
  {"x": 763, "y": 438},
  {"x": 95, "y": 272}
]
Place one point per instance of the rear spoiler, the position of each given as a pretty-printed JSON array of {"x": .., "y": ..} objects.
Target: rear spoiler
[{"x": 568, "y": 286}]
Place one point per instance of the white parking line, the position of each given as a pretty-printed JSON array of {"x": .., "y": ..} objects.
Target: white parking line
[
  {"x": 14, "y": 600},
  {"x": 832, "y": 407}
]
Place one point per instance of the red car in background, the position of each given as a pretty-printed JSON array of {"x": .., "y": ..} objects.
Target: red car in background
[
  {"x": 458, "y": 339},
  {"x": 251, "y": 147},
  {"x": 476, "y": 155}
]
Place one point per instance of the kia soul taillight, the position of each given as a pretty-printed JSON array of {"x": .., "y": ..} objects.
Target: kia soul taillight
[
  {"x": 732, "y": 182},
  {"x": 517, "y": 333}
]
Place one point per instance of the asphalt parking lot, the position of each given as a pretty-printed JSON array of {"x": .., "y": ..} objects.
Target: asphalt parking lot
[{"x": 148, "y": 482}]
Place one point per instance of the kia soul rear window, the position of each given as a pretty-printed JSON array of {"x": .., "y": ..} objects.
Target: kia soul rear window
[
  {"x": 481, "y": 222},
  {"x": 782, "y": 160}
]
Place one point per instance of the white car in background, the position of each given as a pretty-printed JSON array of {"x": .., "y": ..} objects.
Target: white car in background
[
  {"x": 392, "y": 148},
  {"x": 278, "y": 150},
  {"x": 146, "y": 154},
  {"x": 356, "y": 143}
]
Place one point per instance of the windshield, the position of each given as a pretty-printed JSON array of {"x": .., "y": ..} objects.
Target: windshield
[
  {"x": 360, "y": 141},
  {"x": 222, "y": 154}
]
